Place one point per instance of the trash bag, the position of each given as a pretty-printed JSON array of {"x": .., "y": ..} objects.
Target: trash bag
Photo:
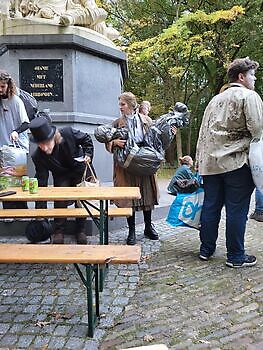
[
  {"x": 146, "y": 159},
  {"x": 140, "y": 161},
  {"x": 38, "y": 230},
  {"x": 106, "y": 133},
  {"x": 159, "y": 134},
  {"x": 30, "y": 103}
]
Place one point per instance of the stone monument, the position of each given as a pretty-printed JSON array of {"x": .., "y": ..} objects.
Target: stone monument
[{"x": 61, "y": 51}]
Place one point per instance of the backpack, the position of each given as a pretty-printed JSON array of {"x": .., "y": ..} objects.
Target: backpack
[
  {"x": 30, "y": 103},
  {"x": 31, "y": 106}
]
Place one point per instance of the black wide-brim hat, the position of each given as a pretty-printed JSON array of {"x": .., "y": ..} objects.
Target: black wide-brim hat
[{"x": 41, "y": 130}]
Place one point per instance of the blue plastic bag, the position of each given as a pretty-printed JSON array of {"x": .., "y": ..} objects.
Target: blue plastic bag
[{"x": 186, "y": 209}]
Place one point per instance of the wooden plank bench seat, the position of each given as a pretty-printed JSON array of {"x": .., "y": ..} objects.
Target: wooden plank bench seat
[
  {"x": 61, "y": 212},
  {"x": 92, "y": 257},
  {"x": 68, "y": 254}
]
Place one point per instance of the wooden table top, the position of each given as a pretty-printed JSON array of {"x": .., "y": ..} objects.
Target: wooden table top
[
  {"x": 51, "y": 193},
  {"x": 69, "y": 253}
]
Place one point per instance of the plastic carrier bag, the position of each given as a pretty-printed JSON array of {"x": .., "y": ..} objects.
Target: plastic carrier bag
[
  {"x": 256, "y": 161},
  {"x": 186, "y": 209},
  {"x": 13, "y": 161}
]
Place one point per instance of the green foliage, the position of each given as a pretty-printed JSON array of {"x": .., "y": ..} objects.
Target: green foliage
[{"x": 179, "y": 50}]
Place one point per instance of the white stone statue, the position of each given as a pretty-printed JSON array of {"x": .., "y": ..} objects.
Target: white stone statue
[
  {"x": 5, "y": 6},
  {"x": 83, "y": 13}
]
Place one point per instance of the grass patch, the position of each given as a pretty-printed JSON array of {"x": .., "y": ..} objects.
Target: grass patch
[{"x": 165, "y": 172}]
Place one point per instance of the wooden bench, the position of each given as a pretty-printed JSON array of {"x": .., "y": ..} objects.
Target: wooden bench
[
  {"x": 92, "y": 257},
  {"x": 61, "y": 212},
  {"x": 112, "y": 212}
]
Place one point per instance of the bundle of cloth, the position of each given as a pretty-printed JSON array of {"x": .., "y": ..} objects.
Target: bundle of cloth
[{"x": 145, "y": 159}]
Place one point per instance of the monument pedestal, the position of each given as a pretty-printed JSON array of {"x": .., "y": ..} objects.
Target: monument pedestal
[{"x": 74, "y": 72}]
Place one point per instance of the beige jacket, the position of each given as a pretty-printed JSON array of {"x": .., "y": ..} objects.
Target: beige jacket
[{"x": 231, "y": 119}]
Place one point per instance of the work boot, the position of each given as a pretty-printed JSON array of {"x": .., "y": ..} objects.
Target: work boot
[
  {"x": 131, "y": 239},
  {"x": 149, "y": 231},
  {"x": 59, "y": 228},
  {"x": 57, "y": 238},
  {"x": 81, "y": 237},
  {"x": 257, "y": 215}
]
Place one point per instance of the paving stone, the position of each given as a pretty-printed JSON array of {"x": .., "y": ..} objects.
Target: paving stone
[
  {"x": 23, "y": 318},
  {"x": 75, "y": 343},
  {"x": 8, "y": 340},
  {"x": 62, "y": 330},
  {"x": 120, "y": 301},
  {"x": 256, "y": 346},
  {"x": 4, "y": 327},
  {"x": 41, "y": 341},
  {"x": 57, "y": 343},
  {"x": 16, "y": 328},
  {"x": 78, "y": 331},
  {"x": 91, "y": 345},
  {"x": 24, "y": 341}
]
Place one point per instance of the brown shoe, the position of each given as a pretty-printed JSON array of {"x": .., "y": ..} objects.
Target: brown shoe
[
  {"x": 57, "y": 238},
  {"x": 81, "y": 237}
]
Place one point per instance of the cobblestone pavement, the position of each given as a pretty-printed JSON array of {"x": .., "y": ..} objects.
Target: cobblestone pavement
[{"x": 171, "y": 298}]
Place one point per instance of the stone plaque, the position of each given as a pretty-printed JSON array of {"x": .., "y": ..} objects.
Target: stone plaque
[{"x": 43, "y": 79}]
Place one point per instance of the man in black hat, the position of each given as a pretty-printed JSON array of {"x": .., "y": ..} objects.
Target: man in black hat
[{"x": 58, "y": 152}]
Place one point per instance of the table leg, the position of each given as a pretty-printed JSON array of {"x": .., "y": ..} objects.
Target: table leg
[
  {"x": 91, "y": 318},
  {"x": 87, "y": 281}
]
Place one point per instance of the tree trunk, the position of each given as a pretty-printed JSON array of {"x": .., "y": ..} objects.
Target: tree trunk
[{"x": 179, "y": 144}]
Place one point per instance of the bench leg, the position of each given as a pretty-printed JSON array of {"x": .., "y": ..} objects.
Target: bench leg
[
  {"x": 91, "y": 318},
  {"x": 104, "y": 237},
  {"x": 103, "y": 226},
  {"x": 91, "y": 271},
  {"x": 106, "y": 223}
]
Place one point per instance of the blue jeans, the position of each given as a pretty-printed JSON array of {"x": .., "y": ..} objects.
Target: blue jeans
[
  {"x": 232, "y": 189},
  {"x": 259, "y": 201}
]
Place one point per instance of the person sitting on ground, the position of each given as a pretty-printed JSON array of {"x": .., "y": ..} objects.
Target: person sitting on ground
[
  {"x": 184, "y": 180},
  {"x": 57, "y": 152}
]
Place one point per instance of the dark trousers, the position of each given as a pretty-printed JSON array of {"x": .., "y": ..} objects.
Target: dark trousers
[
  {"x": 60, "y": 223},
  {"x": 14, "y": 205},
  {"x": 232, "y": 189}
]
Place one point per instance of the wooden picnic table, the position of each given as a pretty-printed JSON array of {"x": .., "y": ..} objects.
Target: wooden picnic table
[{"x": 93, "y": 258}]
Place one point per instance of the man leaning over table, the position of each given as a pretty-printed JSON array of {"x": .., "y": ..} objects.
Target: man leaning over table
[{"x": 64, "y": 153}]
